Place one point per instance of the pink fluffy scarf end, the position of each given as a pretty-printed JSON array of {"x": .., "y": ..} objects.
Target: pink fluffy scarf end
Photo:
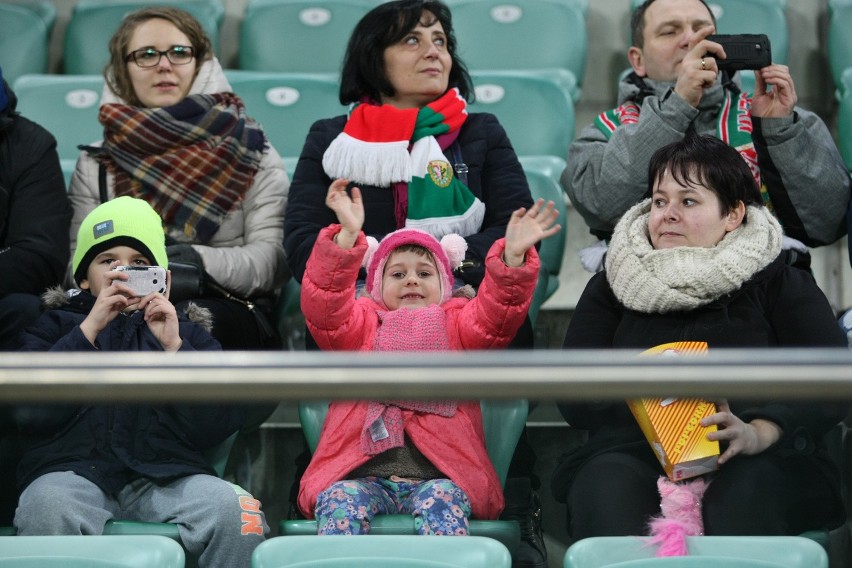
[{"x": 680, "y": 504}]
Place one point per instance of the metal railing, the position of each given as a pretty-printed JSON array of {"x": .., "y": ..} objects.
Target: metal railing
[{"x": 535, "y": 374}]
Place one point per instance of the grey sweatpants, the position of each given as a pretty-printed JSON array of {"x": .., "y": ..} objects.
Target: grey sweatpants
[{"x": 219, "y": 522}]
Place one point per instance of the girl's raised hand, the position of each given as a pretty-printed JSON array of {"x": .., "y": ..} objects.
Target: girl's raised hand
[
  {"x": 526, "y": 228},
  {"x": 349, "y": 211}
]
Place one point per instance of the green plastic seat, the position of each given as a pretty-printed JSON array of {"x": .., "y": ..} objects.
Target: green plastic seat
[
  {"x": 542, "y": 184},
  {"x": 844, "y": 118},
  {"x": 839, "y": 40},
  {"x": 287, "y": 104},
  {"x": 704, "y": 551},
  {"x": 523, "y": 35},
  {"x": 25, "y": 30},
  {"x": 306, "y": 36},
  {"x": 752, "y": 17},
  {"x": 93, "y": 22},
  {"x": 90, "y": 552},
  {"x": 67, "y": 106},
  {"x": 534, "y": 107},
  {"x": 397, "y": 551},
  {"x": 502, "y": 421}
]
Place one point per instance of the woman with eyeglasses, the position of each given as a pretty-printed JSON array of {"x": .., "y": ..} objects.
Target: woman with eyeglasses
[{"x": 177, "y": 136}]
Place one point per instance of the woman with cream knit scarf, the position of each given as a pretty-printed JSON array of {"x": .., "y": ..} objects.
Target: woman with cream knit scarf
[{"x": 699, "y": 261}]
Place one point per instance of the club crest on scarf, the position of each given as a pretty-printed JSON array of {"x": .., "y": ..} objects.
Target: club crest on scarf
[
  {"x": 384, "y": 146},
  {"x": 440, "y": 173}
]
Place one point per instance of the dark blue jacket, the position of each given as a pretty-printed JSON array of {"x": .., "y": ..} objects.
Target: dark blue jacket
[{"x": 113, "y": 444}]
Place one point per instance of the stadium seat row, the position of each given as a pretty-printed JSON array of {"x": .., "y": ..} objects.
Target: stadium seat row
[
  {"x": 310, "y": 35},
  {"x": 385, "y": 551}
]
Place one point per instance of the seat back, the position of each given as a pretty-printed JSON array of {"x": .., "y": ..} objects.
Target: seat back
[
  {"x": 839, "y": 39},
  {"x": 287, "y": 104},
  {"x": 534, "y": 107},
  {"x": 544, "y": 185},
  {"x": 544, "y": 34},
  {"x": 381, "y": 551},
  {"x": 503, "y": 421},
  {"x": 844, "y": 118},
  {"x": 65, "y": 105},
  {"x": 93, "y": 22},
  {"x": 307, "y": 36},
  {"x": 90, "y": 552},
  {"x": 25, "y": 37},
  {"x": 721, "y": 551}
]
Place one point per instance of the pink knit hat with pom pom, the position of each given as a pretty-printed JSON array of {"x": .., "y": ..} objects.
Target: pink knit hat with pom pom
[{"x": 448, "y": 254}]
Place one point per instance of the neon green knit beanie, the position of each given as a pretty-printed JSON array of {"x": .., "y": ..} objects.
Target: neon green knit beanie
[{"x": 122, "y": 221}]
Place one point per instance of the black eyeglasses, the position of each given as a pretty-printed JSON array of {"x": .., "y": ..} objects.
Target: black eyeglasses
[{"x": 150, "y": 57}]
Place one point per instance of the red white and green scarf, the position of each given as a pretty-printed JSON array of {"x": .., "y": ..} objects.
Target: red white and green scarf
[
  {"x": 193, "y": 161},
  {"x": 403, "y": 149},
  {"x": 734, "y": 127}
]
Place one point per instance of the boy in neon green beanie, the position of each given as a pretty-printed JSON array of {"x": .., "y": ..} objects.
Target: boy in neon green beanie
[{"x": 89, "y": 464}]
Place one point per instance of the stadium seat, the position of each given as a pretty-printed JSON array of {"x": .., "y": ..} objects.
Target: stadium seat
[
  {"x": 93, "y": 22},
  {"x": 839, "y": 39},
  {"x": 307, "y": 36},
  {"x": 287, "y": 104},
  {"x": 704, "y": 551},
  {"x": 25, "y": 37},
  {"x": 542, "y": 184},
  {"x": 393, "y": 551},
  {"x": 90, "y": 552},
  {"x": 844, "y": 118},
  {"x": 67, "y": 106},
  {"x": 535, "y": 108},
  {"x": 533, "y": 34},
  {"x": 503, "y": 422},
  {"x": 752, "y": 17}
]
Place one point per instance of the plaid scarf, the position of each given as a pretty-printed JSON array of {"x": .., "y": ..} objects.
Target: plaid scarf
[
  {"x": 193, "y": 161},
  {"x": 403, "y": 149}
]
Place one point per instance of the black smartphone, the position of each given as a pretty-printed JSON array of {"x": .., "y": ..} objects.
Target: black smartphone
[{"x": 743, "y": 51}]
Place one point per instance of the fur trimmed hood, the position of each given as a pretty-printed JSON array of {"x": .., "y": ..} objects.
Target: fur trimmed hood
[{"x": 58, "y": 298}]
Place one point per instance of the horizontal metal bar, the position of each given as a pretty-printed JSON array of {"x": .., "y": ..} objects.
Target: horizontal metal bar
[{"x": 535, "y": 374}]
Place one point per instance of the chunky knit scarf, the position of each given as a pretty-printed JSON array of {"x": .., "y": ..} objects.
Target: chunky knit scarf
[
  {"x": 422, "y": 329},
  {"x": 193, "y": 161},
  {"x": 384, "y": 146},
  {"x": 683, "y": 278}
]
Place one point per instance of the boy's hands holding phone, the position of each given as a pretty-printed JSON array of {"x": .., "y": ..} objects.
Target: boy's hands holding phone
[{"x": 116, "y": 295}]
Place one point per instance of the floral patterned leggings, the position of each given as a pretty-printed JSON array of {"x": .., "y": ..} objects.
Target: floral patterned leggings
[{"x": 439, "y": 506}]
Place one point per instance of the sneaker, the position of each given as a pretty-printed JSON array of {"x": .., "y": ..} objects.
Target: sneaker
[{"x": 523, "y": 505}]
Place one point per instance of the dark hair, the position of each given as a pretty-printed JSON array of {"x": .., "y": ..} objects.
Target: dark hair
[
  {"x": 637, "y": 22},
  {"x": 116, "y": 72},
  {"x": 363, "y": 72},
  {"x": 705, "y": 160}
]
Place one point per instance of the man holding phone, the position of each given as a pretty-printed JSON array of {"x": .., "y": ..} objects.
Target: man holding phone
[{"x": 676, "y": 85}]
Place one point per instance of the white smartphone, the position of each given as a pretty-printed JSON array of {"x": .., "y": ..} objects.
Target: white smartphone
[{"x": 144, "y": 279}]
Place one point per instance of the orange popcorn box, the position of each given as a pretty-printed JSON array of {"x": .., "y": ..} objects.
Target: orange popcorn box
[{"x": 672, "y": 426}]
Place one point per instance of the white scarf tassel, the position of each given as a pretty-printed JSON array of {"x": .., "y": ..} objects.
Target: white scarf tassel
[
  {"x": 370, "y": 163},
  {"x": 467, "y": 224}
]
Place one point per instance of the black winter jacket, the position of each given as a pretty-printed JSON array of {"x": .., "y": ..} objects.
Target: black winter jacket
[
  {"x": 113, "y": 444},
  {"x": 781, "y": 306},
  {"x": 494, "y": 175},
  {"x": 35, "y": 214}
]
